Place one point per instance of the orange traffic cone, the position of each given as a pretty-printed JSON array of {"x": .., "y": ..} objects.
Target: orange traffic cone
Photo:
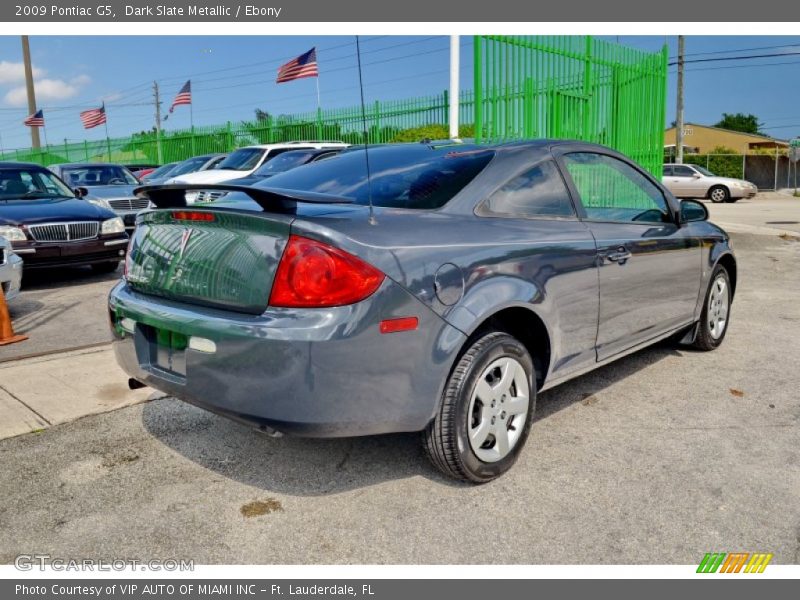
[{"x": 6, "y": 330}]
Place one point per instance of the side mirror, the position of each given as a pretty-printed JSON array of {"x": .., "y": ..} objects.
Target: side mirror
[
  {"x": 696, "y": 176},
  {"x": 692, "y": 210},
  {"x": 81, "y": 192}
]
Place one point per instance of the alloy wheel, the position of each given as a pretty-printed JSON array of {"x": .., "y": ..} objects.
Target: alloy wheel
[
  {"x": 498, "y": 409},
  {"x": 718, "y": 305}
]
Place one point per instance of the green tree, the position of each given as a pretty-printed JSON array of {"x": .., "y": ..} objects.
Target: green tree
[{"x": 740, "y": 122}]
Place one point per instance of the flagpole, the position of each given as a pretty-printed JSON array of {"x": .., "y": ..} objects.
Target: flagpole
[
  {"x": 108, "y": 139},
  {"x": 319, "y": 104},
  {"x": 191, "y": 122}
]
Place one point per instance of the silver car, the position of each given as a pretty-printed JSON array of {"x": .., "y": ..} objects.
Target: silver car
[
  {"x": 694, "y": 181},
  {"x": 10, "y": 269}
]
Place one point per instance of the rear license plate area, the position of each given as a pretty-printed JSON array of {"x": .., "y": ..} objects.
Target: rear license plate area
[{"x": 166, "y": 349}]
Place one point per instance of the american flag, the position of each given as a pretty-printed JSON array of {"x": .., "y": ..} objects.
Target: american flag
[
  {"x": 184, "y": 96},
  {"x": 94, "y": 117},
  {"x": 35, "y": 120},
  {"x": 304, "y": 65}
]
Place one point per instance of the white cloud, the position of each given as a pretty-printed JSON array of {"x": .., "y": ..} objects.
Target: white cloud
[
  {"x": 48, "y": 90},
  {"x": 11, "y": 72}
]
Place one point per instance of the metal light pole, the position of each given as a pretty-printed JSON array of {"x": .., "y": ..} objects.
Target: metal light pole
[
  {"x": 157, "y": 99},
  {"x": 26, "y": 59},
  {"x": 679, "y": 111},
  {"x": 454, "y": 90}
]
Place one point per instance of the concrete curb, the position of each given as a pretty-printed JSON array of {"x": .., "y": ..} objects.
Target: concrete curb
[{"x": 42, "y": 391}]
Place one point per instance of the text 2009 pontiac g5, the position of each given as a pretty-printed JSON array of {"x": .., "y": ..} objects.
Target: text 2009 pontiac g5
[{"x": 440, "y": 295}]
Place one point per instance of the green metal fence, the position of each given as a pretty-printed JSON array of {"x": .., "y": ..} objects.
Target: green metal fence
[
  {"x": 385, "y": 122},
  {"x": 525, "y": 87},
  {"x": 571, "y": 87}
]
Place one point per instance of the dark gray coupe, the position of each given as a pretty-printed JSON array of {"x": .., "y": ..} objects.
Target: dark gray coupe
[{"x": 440, "y": 294}]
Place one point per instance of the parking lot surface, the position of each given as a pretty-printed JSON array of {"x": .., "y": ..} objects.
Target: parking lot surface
[{"x": 658, "y": 458}]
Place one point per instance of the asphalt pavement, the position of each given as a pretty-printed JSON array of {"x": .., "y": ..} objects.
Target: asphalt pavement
[{"x": 658, "y": 458}]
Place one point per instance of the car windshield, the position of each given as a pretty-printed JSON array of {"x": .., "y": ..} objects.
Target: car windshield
[
  {"x": 95, "y": 175},
  {"x": 21, "y": 184},
  {"x": 162, "y": 171},
  {"x": 705, "y": 172},
  {"x": 283, "y": 162},
  {"x": 243, "y": 159},
  {"x": 408, "y": 176},
  {"x": 190, "y": 165}
]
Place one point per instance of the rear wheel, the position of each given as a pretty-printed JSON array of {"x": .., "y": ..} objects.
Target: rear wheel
[
  {"x": 105, "y": 267},
  {"x": 486, "y": 411},
  {"x": 715, "y": 317},
  {"x": 719, "y": 193}
]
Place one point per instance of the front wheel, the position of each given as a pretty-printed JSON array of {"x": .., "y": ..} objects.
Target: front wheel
[
  {"x": 715, "y": 317},
  {"x": 719, "y": 193},
  {"x": 486, "y": 411}
]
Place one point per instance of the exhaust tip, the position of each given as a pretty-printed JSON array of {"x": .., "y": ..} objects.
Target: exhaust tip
[
  {"x": 135, "y": 384},
  {"x": 273, "y": 433}
]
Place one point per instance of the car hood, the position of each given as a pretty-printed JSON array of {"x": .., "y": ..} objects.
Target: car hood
[
  {"x": 111, "y": 191},
  {"x": 728, "y": 180},
  {"x": 17, "y": 212},
  {"x": 210, "y": 176},
  {"x": 155, "y": 180}
]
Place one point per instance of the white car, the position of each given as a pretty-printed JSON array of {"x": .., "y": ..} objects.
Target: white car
[
  {"x": 10, "y": 269},
  {"x": 693, "y": 181},
  {"x": 241, "y": 163}
]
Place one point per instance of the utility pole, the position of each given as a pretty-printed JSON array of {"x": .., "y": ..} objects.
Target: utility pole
[
  {"x": 455, "y": 96},
  {"x": 26, "y": 59},
  {"x": 158, "y": 122},
  {"x": 679, "y": 112}
]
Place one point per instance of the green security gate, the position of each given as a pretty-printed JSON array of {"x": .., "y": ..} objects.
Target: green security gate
[{"x": 572, "y": 87}]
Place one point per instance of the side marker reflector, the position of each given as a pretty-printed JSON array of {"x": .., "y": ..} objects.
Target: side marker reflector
[{"x": 401, "y": 324}]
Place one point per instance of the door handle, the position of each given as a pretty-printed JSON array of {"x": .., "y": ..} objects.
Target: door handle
[{"x": 621, "y": 255}]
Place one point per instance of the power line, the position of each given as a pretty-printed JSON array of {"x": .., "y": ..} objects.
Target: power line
[{"x": 746, "y": 57}]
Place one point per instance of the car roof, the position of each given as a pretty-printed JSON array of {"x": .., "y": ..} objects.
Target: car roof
[
  {"x": 297, "y": 144},
  {"x": 91, "y": 164},
  {"x": 20, "y": 165}
]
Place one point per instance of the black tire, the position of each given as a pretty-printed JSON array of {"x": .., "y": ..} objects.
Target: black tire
[
  {"x": 704, "y": 340},
  {"x": 719, "y": 193},
  {"x": 446, "y": 438},
  {"x": 105, "y": 267}
]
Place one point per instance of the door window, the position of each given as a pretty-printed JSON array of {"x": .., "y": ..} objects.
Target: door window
[
  {"x": 538, "y": 192},
  {"x": 681, "y": 171},
  {"x": 612, "y": 190}
]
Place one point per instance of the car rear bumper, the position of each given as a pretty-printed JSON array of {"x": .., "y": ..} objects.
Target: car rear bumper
[
  {"x": 317, "y": 373},
  {"x": 61, "y": 254},
  {"x": 10, "y": 275}
]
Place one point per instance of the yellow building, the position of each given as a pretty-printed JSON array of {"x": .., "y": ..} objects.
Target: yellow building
[{"x": 702, "y": 139}]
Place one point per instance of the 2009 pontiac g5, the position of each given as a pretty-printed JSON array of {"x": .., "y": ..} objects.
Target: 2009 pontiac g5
[{"x": 440, "y": 295}]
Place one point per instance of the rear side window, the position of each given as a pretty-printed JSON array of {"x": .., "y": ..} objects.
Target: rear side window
[
  {"x": 539, "y": 192},
  {"x": 667, "y": 170},
  {"x": 406, "y": 176}
]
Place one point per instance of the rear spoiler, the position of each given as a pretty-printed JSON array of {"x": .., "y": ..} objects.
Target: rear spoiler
[{"x": 174, "y": 195}]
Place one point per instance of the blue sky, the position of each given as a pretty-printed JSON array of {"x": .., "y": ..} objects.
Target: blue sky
[{"x": 233, "y": 75}]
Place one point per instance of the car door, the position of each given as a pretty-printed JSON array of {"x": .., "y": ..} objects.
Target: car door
[
  {"x": 685, "y": 182},
  {"x": 535, "y": 206},
  {"x": 649, "y": 267}
]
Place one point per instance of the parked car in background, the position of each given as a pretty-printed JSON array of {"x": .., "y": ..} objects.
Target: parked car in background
[
  {"x": 440, "y": 294},
  {"x": 10, "y": 269},
  {"x": 243, "y": 162},
  {"x": 280, "y": 164},
  {"x": 160, "y": 174},
  {"x": 284, "y": 162},
  {"x": 107, "y": 185},
  {"x": 694, "y": 181},
  {"x": 140, "y": 170},
  {"x": 48, "y": 225}
]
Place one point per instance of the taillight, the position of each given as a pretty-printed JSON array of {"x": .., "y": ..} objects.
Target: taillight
[
  {"x": 314, "y": 275},
  {"x": 192, "y": 215}
]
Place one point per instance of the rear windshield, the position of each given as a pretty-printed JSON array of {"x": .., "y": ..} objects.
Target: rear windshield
[
  {"x": 161, "y": 171},
  {"x": 93, "y": 175},
  {"x": 190, "y": 165},
  {"x": 402, "y": 177},
  {"x": 243, "y": 159},
  {"x": 283, "y": 162}
]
